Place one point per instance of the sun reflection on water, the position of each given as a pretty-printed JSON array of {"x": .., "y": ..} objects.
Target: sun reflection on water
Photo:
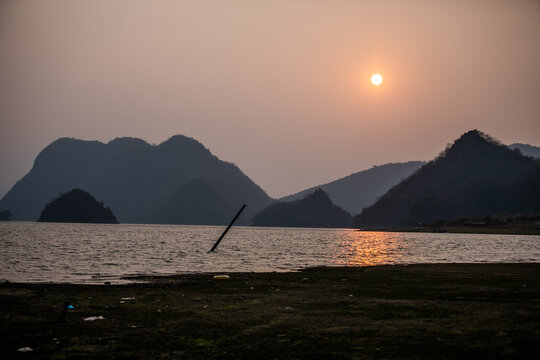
[{"x": 359, "y": 248}]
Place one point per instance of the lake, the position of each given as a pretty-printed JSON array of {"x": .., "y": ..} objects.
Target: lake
[{"x": 94, "y": 253}]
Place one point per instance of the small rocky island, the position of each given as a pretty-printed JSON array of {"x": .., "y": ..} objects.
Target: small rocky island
[
  {"x": 77, "y": 206},
  {"x": 314, "y": 210}
]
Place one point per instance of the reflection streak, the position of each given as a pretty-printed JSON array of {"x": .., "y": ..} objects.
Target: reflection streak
[{"x": 360, "y": 248}]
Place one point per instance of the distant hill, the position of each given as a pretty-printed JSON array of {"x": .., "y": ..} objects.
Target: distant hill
[
  {"x": 138, "y": 180},
  {"x": 359, "y": 190},
  {"x": 314, "y": 210},
  {"x": 527, "y": 150},
  {"x": 195, "y": 203},
  {"x": 476, "y": 176},
  {"x": 77, "y": 206}
]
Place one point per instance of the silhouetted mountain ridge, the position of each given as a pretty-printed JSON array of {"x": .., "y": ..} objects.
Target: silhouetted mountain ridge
[
  {"x": 356, "y": 191},
  {"x": 135, "y": 178},
  {"x": 475, "y": 176},
  {"x": 314, "y": 210}
]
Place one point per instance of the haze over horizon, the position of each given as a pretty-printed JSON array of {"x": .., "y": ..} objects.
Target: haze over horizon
[{"x": 279, "y": 88}]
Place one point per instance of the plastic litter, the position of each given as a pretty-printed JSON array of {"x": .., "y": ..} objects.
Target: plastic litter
[
  {"x": 221, "y": 277},
  {"x": 25, "y": 349},
  {"x": 93, "y": 318},
  {"x": 127, "y": 298},
  {"x": 71, "y": 307}
]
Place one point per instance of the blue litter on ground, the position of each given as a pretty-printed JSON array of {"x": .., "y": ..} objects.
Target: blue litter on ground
[{"x": 71, "y": 307}]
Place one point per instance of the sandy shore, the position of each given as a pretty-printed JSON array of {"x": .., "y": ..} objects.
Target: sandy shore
[{"x": 452, "y": 311}]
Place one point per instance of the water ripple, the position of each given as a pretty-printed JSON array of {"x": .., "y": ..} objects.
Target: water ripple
[{"x": 86, "y": 253}]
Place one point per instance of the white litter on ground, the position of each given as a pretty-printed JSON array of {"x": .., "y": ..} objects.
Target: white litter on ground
[
  {"x": 25, "y": 349},
  {"x": 93, "y": 318},
  {"x": 128, "y": 298}
]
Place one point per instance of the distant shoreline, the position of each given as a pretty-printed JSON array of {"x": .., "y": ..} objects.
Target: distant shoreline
[{"x": 531, "y": 230}]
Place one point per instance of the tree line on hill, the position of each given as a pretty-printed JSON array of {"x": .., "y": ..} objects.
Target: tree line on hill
[{"x": 475, "y": 176}]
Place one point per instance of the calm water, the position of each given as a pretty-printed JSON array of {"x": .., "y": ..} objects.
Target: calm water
[{"x": 86, "y": 253}]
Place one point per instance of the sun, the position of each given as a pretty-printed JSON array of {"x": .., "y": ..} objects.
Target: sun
[{"x": 376, "y": 79}]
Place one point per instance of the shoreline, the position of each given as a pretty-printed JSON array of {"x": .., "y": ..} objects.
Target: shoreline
[
  {"x": 462, "y": 230},
  {"x": 150, "y": 279},
  {"x": 424, "y": 311},
  {"x": 134, "y": 279}
]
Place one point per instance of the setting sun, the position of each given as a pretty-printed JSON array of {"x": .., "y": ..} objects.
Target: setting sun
[{"x": 376, "y": 79}]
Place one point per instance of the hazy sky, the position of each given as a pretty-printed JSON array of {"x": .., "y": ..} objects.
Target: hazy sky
[{"x": 280, "y": 88}]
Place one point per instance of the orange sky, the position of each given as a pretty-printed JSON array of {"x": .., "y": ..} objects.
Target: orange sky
[{"x": 281, "y": 88}]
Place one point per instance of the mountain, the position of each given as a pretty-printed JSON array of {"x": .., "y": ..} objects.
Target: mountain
[
  {"x": 196, "y": 203},
  {"x": 77, "y": 206},
  {"x": 135, "y": 178},
  {"x": 527, "y": 150},
  {"x": 476, "y": 176},
  {"x": 314, "y": 210},
  {"x": 359, "y": 190}
]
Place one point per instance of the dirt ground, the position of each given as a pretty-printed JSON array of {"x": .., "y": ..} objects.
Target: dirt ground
[{"x": 443, "y": 311}]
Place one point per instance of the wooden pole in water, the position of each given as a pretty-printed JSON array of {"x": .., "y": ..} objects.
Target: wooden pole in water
[{"x": 228, "y": 227}]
